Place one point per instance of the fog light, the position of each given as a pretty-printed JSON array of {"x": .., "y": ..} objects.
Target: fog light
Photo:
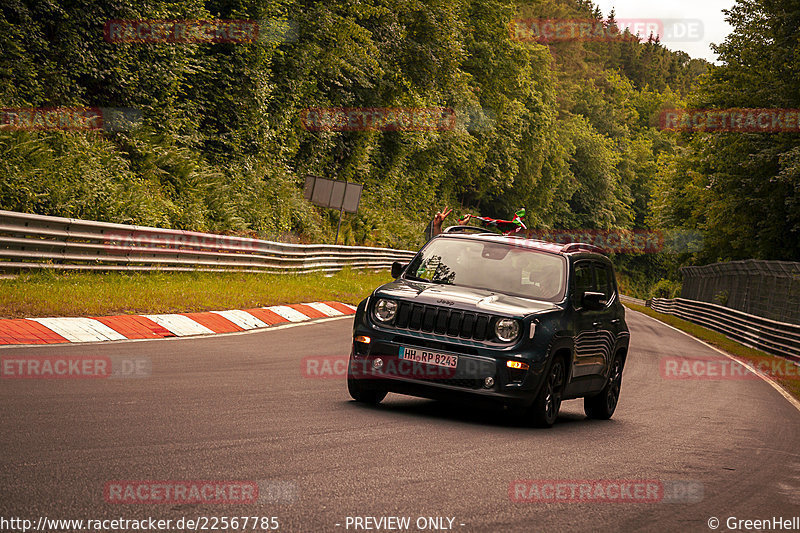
[
  {"x": 377, "y": 363},
  {"x": 362, "y": 339},
  {"x": 488, "y": 382}
]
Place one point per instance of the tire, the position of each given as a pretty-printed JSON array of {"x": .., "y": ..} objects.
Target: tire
[
  {"x": 364, "y": 390},
  {"x": 603, "y": 405},
  {"x": 544, "y": 411}
]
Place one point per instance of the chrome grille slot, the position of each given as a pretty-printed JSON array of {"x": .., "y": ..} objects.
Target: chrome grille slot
[
  {"x": 443, "y": 321},
  {"x": 416, "y": 317},
  {"x": 454, "y": 326},
  {"x": 403, "y": 315},
  {"x": 467, "y": 324},
  {"x": 429, "y": 319}
]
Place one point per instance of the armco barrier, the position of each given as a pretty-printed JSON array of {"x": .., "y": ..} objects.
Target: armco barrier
[
  {"x": 764, "y": 288},
  {"x": 631, "y": 300},
  {"x": 36, "y": 241},
  {"x": 773, "y": 337}
]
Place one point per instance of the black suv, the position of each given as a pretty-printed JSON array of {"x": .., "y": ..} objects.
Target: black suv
[{"x": 523, "y": 322}]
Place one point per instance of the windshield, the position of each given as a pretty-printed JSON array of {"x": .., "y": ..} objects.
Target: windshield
[{"x": 492, "y": 266}]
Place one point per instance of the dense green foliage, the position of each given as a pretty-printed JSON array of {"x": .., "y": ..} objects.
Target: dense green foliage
[
  {"x": 570, "y": 129},
  {"x": 742, "y": 189}
]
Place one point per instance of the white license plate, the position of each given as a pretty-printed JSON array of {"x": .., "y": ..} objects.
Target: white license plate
[{"x": 418, "y": 355}]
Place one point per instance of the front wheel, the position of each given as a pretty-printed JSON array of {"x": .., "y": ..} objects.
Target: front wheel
[
  {"x": 602, "y": 406},
  {"x": 544, "y": 410},
  {"x": 363, "y": 390}
]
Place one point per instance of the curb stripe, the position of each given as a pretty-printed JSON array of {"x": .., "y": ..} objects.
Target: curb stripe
[
  {"x": 266, "y": 316},
  {"x": 308, "y": 311},
  {"x": 22, "y": 331},
  {"x": 292, "y": 315},
  {"x": 214, "y": 322},
  {"x": 57, "y": 330},
  {"x": 180, "y": 325},
  {"x": 324, "y": 308},
  {"x": 7, "y": 335},
  {"x": 342, "y": 308},
  {"x": 135, "y": 326},
  {"x": 80, "y": 329},
  {"x": 34, "y": 330},
  {"x": 242, "y": 319}
]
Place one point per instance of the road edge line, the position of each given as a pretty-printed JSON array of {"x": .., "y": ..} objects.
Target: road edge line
[{"x": 775, "y": 385}]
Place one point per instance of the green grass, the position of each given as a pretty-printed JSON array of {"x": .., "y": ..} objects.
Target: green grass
[
  {"x": 718, "y": 340},
  {"x": 48, "y": 293}
]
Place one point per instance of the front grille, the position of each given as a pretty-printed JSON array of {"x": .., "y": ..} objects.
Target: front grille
[{"x": 443, "y": 321}]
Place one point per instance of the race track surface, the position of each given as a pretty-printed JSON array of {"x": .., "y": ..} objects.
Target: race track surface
[{"x": 242, "y": 407}]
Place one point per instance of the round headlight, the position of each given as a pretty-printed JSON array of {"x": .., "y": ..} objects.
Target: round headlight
[
  {"x": 507, "y": 329},
  {"x": 385, "y": 310}
]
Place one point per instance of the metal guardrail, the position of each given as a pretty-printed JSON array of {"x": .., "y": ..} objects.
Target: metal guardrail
[
  {"x": 631, "y": 300},
  {"x": 765, "y": 288},
  {"x": 35, "y": 241},
  {"x": 778, "y": 338}
]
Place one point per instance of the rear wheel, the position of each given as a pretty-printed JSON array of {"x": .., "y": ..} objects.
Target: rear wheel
[
  {"x": 363, "y": 390},
  {"x": 544, "y": 410},
  {"x": 602, "y": 406}
]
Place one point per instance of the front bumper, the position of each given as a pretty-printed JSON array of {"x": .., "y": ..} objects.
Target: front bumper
[{"x": 467, "y": 381}]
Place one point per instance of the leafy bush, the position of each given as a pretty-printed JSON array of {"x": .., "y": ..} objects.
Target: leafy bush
[
  {"x": 565, "y": 129},
  {"x": 665, "y": 288}
]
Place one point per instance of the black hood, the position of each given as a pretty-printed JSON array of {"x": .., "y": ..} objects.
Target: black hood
[{"x": 463, "y": 298}]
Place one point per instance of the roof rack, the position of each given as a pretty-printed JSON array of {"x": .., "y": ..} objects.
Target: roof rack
[
  {"x": 467, "y": 229},
  {"x": 565, "y": 248}
]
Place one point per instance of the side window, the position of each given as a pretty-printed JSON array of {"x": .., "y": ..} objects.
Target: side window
[
  {"x": 603, "y": 280},
  {"x": 612, "y": 282},
  {"x": 583, "y": 282}
]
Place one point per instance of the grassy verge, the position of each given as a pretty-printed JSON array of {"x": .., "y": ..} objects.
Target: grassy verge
[
  {"x": 41, "y": 294},
  {"x": 718, "y": 340}
]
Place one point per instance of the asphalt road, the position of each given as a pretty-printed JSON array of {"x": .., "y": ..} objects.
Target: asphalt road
[{"x": 240, "y": 408}]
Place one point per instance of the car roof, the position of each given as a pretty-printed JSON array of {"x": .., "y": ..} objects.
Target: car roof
[{"x": 572, "y": 248}]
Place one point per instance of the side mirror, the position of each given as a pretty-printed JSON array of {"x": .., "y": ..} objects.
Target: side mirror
[
  {"x": 594, "y": 301},
  {"x": 397, "y": 269}
]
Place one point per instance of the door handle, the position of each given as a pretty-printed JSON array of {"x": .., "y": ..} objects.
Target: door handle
[
  {"x": 597, "y": 324},
  {"x": 615, "y": 321}
]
